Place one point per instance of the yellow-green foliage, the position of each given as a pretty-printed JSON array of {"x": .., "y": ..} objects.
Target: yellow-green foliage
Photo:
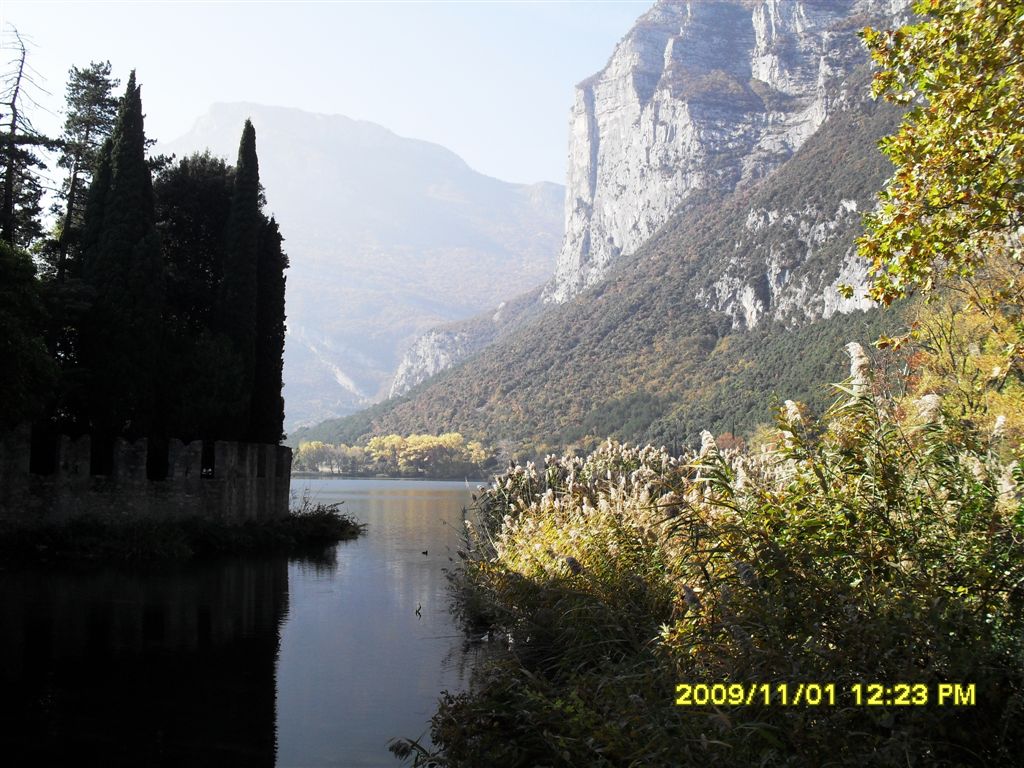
[
  {"x": 956, "y": 193},
  {"x": 870, "y": 546},
  {"x": 970, "y": 352},
  {"x": 427, "y": 455}
]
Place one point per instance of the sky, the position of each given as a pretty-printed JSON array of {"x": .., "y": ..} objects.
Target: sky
[{"x": 492, "y": 81}]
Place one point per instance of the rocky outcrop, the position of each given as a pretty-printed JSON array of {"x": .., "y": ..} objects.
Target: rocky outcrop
[
  {"x": 700, "y": 95},
  {"x": 431, "y": 353},
  {"x": 776, "y": 275},
  {"x": 441, "y": 348}
]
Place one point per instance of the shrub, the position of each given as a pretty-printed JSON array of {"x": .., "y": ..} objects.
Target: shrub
[{"x": 873, "y": 545}]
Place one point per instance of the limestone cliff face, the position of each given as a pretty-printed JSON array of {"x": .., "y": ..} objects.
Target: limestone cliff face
[
  {"x": 775, "y": 274},
  {"x": 700, "y": 95},
  {"x": 431, "y": 353}
]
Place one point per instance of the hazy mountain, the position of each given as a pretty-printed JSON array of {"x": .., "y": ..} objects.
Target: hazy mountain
[
  {"x": 387, "y": 236},
  {"x": 671, "y": 341}
]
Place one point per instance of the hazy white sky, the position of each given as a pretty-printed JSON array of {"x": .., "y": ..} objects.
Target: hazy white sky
[{"x": 491, "y": 81}]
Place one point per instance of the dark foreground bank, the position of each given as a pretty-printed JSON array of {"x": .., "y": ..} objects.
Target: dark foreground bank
[{"x": 104, "y": 538}]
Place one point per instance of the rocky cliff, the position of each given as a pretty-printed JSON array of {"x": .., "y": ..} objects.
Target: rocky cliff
[
  {"x": 700, "y": 96},
  {"x": 732, "y": 301},
  {"x": 701, "y": 99}
]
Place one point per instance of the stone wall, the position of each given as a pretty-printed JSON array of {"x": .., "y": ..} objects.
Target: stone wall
[{"x": 247, "y": 481}]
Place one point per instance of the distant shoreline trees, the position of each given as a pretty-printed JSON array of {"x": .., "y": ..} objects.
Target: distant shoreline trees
[{"x": 432, "y": 456}]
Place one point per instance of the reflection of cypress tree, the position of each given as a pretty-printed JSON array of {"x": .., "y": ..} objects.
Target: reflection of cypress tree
[
  {"x": 123, "y": 265},
  {"x": 238, "y": 305},
  {"x": 267, "y": 419}
]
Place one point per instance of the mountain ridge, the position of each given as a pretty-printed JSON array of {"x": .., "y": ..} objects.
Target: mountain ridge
[
  {"x": 388, "y": 237},
  {"x": 695, "y": 101}
]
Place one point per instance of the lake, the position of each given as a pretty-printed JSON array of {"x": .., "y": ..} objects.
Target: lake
[{"x": 261, "y": 662}]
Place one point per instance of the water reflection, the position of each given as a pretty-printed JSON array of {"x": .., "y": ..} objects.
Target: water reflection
[
  {"x": 358, "y": 632},
  {"x": 174, "y": 667},
  {"x": 252, "y": 662}
]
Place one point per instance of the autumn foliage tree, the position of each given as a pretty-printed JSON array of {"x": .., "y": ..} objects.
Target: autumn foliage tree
[
  {"x": 951, "y": 218},
  {"x": 957, "y": 193}
]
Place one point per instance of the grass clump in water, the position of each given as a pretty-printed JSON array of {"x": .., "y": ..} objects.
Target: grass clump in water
[{"x": 108, "y": 538}]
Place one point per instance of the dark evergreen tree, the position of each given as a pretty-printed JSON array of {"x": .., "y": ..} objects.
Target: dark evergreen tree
[
  {"x": 91, "y": 113},
  {"x": 95, "y": 204},
  {"x": 238, "y": 304},
  {"x": 193, "y": 201},
  {"x": 28, "y": 371},
  {"x": 267, "y": 419},
  {"x": 122, "y": 335}
]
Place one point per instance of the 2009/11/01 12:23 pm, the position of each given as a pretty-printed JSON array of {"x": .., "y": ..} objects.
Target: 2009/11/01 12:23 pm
[{"x": 827, "y": 694}]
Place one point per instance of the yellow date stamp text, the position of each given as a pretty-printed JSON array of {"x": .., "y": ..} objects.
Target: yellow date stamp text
[{"x": 825, "y": 694}]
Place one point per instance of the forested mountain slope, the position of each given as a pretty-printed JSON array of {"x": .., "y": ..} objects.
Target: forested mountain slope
[{"x": 732, "y": 300}]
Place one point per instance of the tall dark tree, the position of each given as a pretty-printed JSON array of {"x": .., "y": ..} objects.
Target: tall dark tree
[
  {"x": 95, "y": 203},
  {"x": 238, "y": 305},
  {"x": 267, "y": 419},
  {"x": 121, "y": 338},
  {"x": 91, "y": 113},
  {"x": 193, "y": 202},
  {"x": 28, "y": 371}
]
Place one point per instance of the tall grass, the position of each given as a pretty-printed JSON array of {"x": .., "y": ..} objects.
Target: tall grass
[{"x": 880, "y": 543}]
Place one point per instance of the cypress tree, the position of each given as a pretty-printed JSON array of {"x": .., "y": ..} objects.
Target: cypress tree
[
  {"x": 193, "y": 201},
  {"x": 95, "y": 204},
  {"x": 121, "y": 340},
  {"x": 238, "y": 303},
  {"x": 267, "y": 415}
]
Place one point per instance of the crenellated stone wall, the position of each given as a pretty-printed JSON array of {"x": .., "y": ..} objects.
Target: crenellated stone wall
[{"x": 247, "y": 481}]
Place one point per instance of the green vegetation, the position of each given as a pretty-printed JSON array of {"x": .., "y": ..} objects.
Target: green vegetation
[
  {"x": 101, "y": 539},
  {"x": 440, "y": 456},
  {"x": 120, "y": 336},
  {"x": 91, "y": 115},
  {"x": 160, "y": 302},
  {"x": 880, "y": 543},
  {"x": 28, "y": 370},
  {"x": 956, "y": 195}
]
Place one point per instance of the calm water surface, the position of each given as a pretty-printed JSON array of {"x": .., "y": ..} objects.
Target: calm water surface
[{"x": 246, "y": 662}]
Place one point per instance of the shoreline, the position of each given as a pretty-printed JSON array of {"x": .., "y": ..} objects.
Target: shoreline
[
  {"x": 110, "y": 540},
  {"x": 306, "y": 475}
]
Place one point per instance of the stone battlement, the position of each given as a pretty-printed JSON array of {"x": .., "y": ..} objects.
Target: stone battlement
[{"x": 58, "y": 478}]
